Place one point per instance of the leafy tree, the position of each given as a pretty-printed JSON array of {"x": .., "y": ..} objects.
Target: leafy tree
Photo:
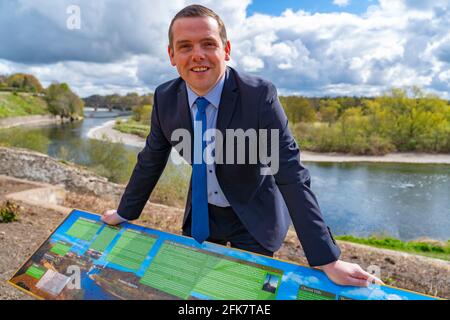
[
  {"x": 63, "y": 102},
  {"x": 131, "y": 100},
  {"x": 115, "y": 101},
  {"x": 298, "y": 109},
  {"x": 328, "y": 110},
  {"x": 142, "y": 113},
  {"x": 24, "y": 82},
  {"x": 403, "y": 119},
  {"x": 3, "y": 81},
  {"x": 147, "y": 99}
]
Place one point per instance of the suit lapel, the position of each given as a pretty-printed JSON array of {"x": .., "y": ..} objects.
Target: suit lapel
[
  {"x": 228, "y": 101},
  {"x": 185, "y": 114},
  {"x": 227, "y": 106}
]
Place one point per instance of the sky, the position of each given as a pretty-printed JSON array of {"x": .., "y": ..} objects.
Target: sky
[
  {"x": 271, "y": 7},
  {"x": 312, "y": 48}
]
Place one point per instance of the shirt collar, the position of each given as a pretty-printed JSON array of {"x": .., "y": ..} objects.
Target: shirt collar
[{"x": 213, "y": 96}]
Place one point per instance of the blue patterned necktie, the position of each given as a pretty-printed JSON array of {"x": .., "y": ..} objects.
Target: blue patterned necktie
[{"x": 200, "y": 218}]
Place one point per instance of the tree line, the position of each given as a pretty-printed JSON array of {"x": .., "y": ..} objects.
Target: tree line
[
  {"x": 117, "y": 101},
  {"x": 61, "y": 100},
  {"x": 401, "y": 120}
]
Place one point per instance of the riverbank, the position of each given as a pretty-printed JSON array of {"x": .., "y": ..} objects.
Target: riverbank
[
  {"x": 403, "y": 157},
  {"x": 106, "y": 132},
  {"x": 28, "y": 121},
  {"x": 22, "y": 104},
  {"x": 423, "y": 246},
  {"x": 37, "y": 220}
]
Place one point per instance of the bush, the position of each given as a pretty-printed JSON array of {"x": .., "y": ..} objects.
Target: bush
[
  {"x": 63, "y": 102},
  {"x": 24, "y": 82},
  {"x": 379, "y": 145},
  {"x": 133, "y": 127},
  {"x": 142, "y": 113},
  {"x": 8, "y": 212},
  {"x": 17, "y": 137}
]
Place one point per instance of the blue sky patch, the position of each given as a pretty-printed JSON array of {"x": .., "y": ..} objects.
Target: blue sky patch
[{"x": 275, "y": 8}]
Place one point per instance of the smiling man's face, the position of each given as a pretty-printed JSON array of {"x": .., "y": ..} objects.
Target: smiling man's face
[{"x": 198, "y": 52}]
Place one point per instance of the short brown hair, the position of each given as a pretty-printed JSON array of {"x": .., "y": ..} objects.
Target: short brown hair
[{"x": 197, "y": 10}]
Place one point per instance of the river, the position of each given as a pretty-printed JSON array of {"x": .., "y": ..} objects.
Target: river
[{"x": 406, "y": 201}]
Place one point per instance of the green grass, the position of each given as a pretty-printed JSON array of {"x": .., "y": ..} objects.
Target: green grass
[
  {"x": 174, "y": 182},
  {"x": 12, "y": 105},
  {"x": 433, "y": 249},
  {"x": 133, "y": 127},
  {"x": 173, "y": 185},
  {"x": 20, "y": 138}
]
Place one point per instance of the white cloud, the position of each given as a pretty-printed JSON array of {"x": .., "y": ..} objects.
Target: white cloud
[
  {"x": 5, "y": 68},
  {"x": 341, "y": 53},
  {"x": 122, "y": 45},
  {"x": 251, "y": 64},
  {"x": 341, "y": 3}
]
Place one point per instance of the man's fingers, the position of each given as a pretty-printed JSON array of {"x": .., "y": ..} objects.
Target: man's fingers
[
  {"x": 358, "y": 272},
  {"x": 356, "y": 282},
  {"x": 108, "y": 212},
  {"x": 364, "y": 275},
  {"x": 375, "y": 280},
  {"x": 106, "y": 216},
  {"x": 350, "y": 274},
  {"x": 111, "y": 217}
]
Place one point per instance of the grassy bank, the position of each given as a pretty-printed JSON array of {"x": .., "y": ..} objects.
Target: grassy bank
[
  {"x": 17, "y": 105},
  {"x": 428, "y": 248},
  {"x": 132, "y": 127}
]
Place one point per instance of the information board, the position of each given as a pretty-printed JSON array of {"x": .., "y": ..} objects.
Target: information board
[{"x": 87, "y": 259}]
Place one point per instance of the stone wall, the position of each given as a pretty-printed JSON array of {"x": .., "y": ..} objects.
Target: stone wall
[{"x": 34, "y": 166}]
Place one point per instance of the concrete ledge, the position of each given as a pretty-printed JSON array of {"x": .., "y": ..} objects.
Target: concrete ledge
[{"x": 43, "y": 196}]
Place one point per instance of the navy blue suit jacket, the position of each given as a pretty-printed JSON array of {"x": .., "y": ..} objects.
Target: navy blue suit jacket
[{"x": 264, "y": 203}]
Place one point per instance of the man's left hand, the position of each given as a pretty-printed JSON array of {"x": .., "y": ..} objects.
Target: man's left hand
[{"x": 349, "y": 274}]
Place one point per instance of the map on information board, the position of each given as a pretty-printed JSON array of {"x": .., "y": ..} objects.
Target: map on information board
[{"x": 86, "y": 259}]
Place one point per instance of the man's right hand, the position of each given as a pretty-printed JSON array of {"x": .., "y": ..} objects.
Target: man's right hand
[
  {"x": 349, "y": 274},
  {"x": 111, "y": 217}
]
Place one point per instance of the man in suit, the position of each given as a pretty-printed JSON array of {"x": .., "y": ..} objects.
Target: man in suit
[{"x": 230, "y": 203}]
